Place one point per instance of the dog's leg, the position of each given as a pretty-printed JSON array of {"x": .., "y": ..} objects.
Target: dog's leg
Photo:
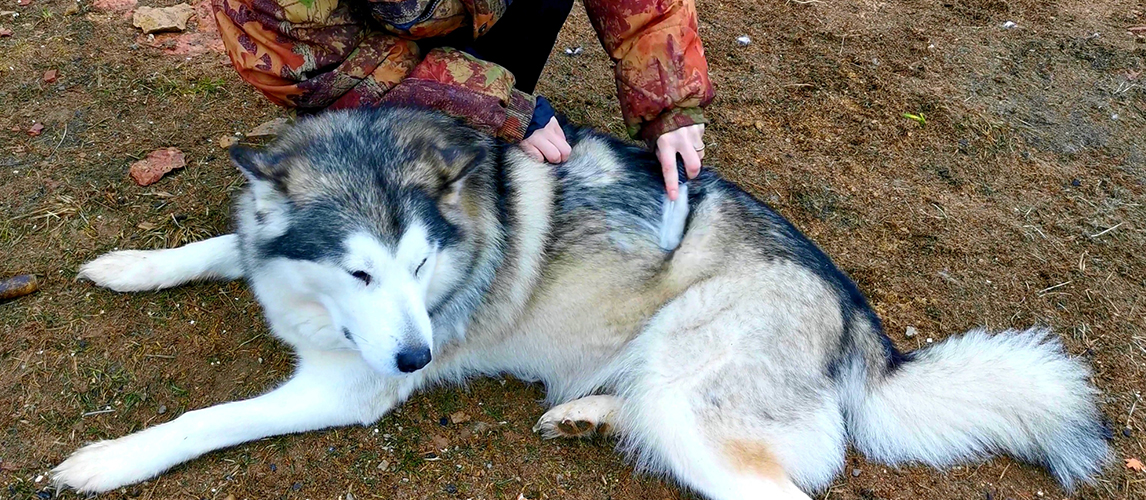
[
  {"x": 330, "y": 389},
  {"x": 582, "y": 418},
  {"x": 139, "y": 270}
]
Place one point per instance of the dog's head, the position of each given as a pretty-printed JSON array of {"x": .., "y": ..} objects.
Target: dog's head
[{"x": 357, "y": 225}]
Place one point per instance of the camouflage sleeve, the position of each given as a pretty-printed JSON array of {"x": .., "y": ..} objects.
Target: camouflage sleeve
[
  {"x": 316, "y": 55},
  {"x": 311, "y": 54},
  {"x": 662, "y": 76}
]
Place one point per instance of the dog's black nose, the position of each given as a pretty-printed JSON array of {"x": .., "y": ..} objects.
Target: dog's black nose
[{"x": 412, "y": 360}]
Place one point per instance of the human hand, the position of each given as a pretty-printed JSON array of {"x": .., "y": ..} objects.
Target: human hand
[
  {"x": 547, "y": 143},
  {"x": 688, "y": 142}
]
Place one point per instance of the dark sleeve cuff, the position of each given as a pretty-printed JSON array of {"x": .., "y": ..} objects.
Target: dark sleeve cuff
[{"x": 542, "y": 113}]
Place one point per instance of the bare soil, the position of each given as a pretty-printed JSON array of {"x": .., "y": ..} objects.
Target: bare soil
[{"x": 1019, "y": 201}]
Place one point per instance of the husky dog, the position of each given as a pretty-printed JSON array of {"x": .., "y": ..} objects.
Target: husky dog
[{"x": 395, "y": 249}]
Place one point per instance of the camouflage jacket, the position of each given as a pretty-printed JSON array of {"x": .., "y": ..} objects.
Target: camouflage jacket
[{"x": 316, "y": 54}]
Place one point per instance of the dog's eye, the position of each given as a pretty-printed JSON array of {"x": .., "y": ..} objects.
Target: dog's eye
[
  {"x": 419, "y": 269},
  {"x": 362, "y": 276}
]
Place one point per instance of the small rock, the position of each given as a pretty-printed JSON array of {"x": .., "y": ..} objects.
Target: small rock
[
  {"x": 459, "y": 418},
  {"x": 1126, "y": 432},
  {"x": 18, "y": 286},
  {"x": 444, "y": 421},
  {"x": 227, "y": 141},
  {"x": 451, "y": 489},
  {"x": 1009, "y": 25},
  {"x": 149, "y": 170},
  {"x": 51, "y": 76},
  {"x": 162, "y": 409},
  {"x": 349, "y": 496},
  {"x": 743, "y": 40},
  {"x": 37, "y": 129},
  {"x": 5, "y": 32},
  {"x": 274, "y": 467},
  {"x": 72, "y": 9},
  {"x": 152, "y": 20},
  {"x": 574, "y": 51},
  {"x": 910, "y": 332},
  {"x": 269, "y": 128},
  {"x": 44, "y": 495},
  {"x": 1075, "y": 182},
  {"x": 384, "y": 465},
  {"x": 856, "y": 472},
  {"x": 296, "y": 486}
]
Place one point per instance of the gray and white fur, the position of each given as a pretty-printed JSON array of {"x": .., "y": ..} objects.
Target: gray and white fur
[{"x": 397, "y": 249}]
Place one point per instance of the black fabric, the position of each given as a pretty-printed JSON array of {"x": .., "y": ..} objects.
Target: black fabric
[{"x": 523, "y": 38}]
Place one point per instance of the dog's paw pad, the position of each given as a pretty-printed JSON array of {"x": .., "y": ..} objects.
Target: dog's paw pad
[{"x": 582, "y": 418}]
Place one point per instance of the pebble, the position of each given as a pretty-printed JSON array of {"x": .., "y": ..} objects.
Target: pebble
[
  {"x": 349, "y": 496},
  {"x": 574, "y": 51},
  {"x": 162, "y": 409},
  {"x": 296, "y": 486},
  {"x": 743, "y": 40},
  {"x": 911, "y": 332},
  {"x": 1126, "y": 432},
  {"x": 444, "y": 421},
  {"x": 274, "y": 467},
  {"x": 1009, "y": 25},
  {"x": 451, "y": 489},
  {"x": 152, "y": 20},
  {"x": 856, "y": 472},
  {"x": 384, "y": 465}
]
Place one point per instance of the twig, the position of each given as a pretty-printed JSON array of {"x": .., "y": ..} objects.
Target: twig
[
  {"x": 1107, "y": 230},
  {"x": 62, "y": 137},
  {"x": 1049, "y": 288},
  {"x": 164, "y": 356},
  {"x": 1132, "y": 407},
  {"x": 97, "y": 412}
]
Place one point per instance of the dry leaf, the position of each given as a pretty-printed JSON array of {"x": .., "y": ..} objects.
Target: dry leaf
[
  {"x": 227, "y": 141},
  {"x": 1135, "y": 465},
  {"x": 146, "y": 226},
  {"x": 459, "y": 418},
  {"x": 269, "y": 128},
  {"x": 51, "y": 76},
  {"x": 5, "y": 32},
  {"x": 37, "y": 129}
]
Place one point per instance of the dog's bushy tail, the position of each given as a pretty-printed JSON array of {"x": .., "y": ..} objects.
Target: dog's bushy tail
[{"x": 975, "y": 394}]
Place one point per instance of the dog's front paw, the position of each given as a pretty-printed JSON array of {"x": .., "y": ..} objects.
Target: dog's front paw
[
  {"x": 124, "y": 271},
  {"x": 582, "y": 418},
  {"x": 102, "y": 466}
]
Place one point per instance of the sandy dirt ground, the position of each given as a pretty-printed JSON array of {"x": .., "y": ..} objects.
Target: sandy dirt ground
[{"x": 1017, "y": 199}]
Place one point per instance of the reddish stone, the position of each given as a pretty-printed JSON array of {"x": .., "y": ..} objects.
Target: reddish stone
[{"x": 149, "y": 170}]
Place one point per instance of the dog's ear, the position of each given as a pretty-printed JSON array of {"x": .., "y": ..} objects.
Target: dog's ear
[
  {"x": 464, "y": 153},
  {"x": 267, "y": 181},
  {"x": 256, "y": 165}
]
